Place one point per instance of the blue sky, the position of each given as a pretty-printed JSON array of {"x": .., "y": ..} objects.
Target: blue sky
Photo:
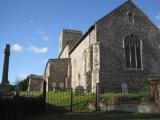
[{"x": 32, "y": 28}]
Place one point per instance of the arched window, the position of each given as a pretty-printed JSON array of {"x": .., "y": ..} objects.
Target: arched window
[
  {"x": 132, "y": 45},
  {"x": 85, "y": 61},
  {"x": 74, "y": 70}
]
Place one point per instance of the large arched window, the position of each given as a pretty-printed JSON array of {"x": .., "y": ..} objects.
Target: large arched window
[{"x": 132, "y": 45}]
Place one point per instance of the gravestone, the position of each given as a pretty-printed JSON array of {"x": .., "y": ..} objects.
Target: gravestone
[
  {"x": 61, "y": 85},
  {"x": 79, "y": 90},
  {"x": 124, "y": 88},
  {"x": 54, "y": 86}
]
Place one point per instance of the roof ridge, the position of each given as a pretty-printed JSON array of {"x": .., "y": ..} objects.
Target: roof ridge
[{"x": 71, "y": 30}]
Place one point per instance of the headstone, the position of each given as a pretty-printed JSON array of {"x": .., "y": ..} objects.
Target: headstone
[
  {"x": 54, "y": 85},
  {"x": 79, "y": 90},
  {"x": 124, "y": 88},
  {"x": 61, "y": 85}
]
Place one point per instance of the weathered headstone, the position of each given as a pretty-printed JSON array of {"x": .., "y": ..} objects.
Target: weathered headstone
[
  {"x": 54, "y": 85},
  {"x": 79, "y": 90},
  {"x": 61, "y": 85},
  {"x": 124, "y": 88}
]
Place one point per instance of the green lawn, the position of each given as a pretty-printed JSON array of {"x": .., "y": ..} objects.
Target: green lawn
[
  {"x": 63, "y": 99},
  {"x": 80, "y": 102},
  {"x": 95, "y": 116}
]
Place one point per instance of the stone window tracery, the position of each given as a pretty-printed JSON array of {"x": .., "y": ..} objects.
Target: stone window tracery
[{"x": 132, "y": 45}]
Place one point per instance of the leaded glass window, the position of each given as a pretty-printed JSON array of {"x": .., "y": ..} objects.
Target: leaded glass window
[{"x": 133, "y": 57}]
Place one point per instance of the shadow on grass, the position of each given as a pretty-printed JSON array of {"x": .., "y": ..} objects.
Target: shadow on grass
[
  {"x": 61, "y": 113},
  {"x": 56, "y": 109},
  {"x": 115, "y": 115}
]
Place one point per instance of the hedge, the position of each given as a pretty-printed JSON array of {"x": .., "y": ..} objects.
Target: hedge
[{"x": 15, "y": 107}]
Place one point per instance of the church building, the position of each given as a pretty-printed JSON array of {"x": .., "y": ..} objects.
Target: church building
[{"x": 123, "y": 47}]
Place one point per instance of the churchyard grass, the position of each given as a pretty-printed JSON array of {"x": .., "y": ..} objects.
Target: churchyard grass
[
  {"x": 60, "y": 98},
  {"x": 80, "y": 102},
  {"x": 127, "y": 97},
  {"x": 31, "y": 93},
  {"x": 64, "y": 98}
]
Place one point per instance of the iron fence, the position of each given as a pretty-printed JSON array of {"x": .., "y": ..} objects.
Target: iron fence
[
  {"x": 71, "y": 99},
  {"x": 74, "y": 100}
]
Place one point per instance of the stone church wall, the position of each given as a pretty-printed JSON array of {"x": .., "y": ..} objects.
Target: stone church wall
[
  {"x": 58, "y": 73},
  {"x": 111, "y": 31},
  {"x": 65, "y": 52},
  {"x": 79, "y": 75}
]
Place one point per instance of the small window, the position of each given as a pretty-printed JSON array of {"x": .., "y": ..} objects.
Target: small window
[{"x": 130, "y": 17}]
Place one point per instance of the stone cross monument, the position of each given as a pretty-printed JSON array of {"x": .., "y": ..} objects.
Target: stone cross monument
[{"x": 6, "y": 65}]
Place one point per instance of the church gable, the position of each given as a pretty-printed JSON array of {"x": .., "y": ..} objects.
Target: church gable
[
  {"x": 129, "y": 48},
  {"x": 129, "y": 12}
]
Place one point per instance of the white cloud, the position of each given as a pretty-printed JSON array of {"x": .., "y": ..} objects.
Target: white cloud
[
  {"x": 45, "y": 38},
  {"x": 41, "y": 35},
  {"x": 17, "y": 48},
  {"x": 40, "y": 32},
  {"x": 158, "y": 17},
  {"x": 36, "y": 49}
]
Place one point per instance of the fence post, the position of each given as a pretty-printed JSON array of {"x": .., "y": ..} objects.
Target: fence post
[
  {"x": 17, "y": 90},
  {"x": 97, "y": 96},
  {"x": 44, "y": 90},
  {"x": 71, "y": 104},
  {"x": 44, "y": 95}
]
